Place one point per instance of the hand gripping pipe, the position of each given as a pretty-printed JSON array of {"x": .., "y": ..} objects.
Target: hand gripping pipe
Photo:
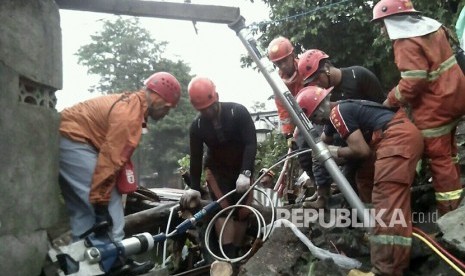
[{"x": 300, "y": 120}]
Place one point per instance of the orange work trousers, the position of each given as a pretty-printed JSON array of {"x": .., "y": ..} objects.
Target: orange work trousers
[
  {"x": 440, "y": 152},
  {"x": 398, "y": 149}
]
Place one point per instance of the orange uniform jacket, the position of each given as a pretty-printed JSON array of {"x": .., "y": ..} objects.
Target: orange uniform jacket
[
  {"x": 294, "y": 83},
  {"x": 432, "y": 84},
  {"x": 114, "y": 135}
]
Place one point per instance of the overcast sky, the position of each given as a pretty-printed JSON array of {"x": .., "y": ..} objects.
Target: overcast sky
[{"x": 214, "y": 52}]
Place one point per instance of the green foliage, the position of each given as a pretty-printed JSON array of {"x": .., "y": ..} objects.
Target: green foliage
[
  {"x": 343, "y": 30},
  {"x": 270, "y": 151},
  {"x": 184, "y": 162},
  {"x": 124, "y": 54}
]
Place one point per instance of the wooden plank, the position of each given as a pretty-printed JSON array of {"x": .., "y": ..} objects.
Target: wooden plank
[{"x": 179, "y": 11}]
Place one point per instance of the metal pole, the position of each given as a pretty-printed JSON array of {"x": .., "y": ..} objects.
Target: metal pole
[{"x": 300, "y": 120}]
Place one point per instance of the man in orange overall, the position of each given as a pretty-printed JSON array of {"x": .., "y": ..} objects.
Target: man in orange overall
[
  {"x": 281, "y": 53},
  {"x": 98, "y": 137},
  {"x": 431, "y": 89},
  {"x": 369, "y": 127}
]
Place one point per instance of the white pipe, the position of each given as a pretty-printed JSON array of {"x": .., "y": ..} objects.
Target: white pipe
[{"x": 340, "y": 260}]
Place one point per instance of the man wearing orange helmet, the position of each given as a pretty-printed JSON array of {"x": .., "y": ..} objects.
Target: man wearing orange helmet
[
  {"x": 431, "y": 89},
  {"x": 355, "y": 82},
  {"x": 98, "y": 137},
  {"x": 368, "y": 128},
  {"x": 281, "y": 53},
  {"x": 228, "y": 131}
]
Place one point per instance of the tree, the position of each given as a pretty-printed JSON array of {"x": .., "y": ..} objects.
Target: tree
[
  {"x": 343, "y": 30},
  {"x": 123, "y": 54},
  {"x": 270, "y": 152}
]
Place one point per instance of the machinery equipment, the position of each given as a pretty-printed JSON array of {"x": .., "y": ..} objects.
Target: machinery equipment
[{"x": 96, "y": 254}]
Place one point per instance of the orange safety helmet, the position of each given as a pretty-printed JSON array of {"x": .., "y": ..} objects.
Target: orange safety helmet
[
  {"x": 279, "y": 48},
  {"x": 166, "y": 86},
  {"x": 310, "y": 97},
  {"x": 385, "y": 8},
  {"x": 202, "y": 92},
  {"x": 309, "y": 63}
]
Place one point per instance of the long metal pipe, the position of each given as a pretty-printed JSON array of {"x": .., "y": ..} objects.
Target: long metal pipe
[
  {"x": 232, "y": 17},
  {"x": 299, "y": 119}
]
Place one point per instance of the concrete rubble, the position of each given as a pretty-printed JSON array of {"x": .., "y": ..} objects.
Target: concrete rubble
[{"x": 283, "y": 253}]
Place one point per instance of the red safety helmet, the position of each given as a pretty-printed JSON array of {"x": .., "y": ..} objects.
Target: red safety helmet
[
  {"x": 309, "y": 62},
  {"x": 166, "y": 86},
  {"x": 279, "y": 48},
  {"x": 202, "y": 92},
  {"x": 310, "y": 97},
  {"x": 385, "y": 8}
]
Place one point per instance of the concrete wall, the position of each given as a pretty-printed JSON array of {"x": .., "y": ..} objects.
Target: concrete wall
[{"x": 30, "y": 73}]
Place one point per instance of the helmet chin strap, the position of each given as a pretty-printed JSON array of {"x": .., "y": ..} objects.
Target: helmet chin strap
[
  {"x": 149, "y": 102},
  {"x": 328, "y": 75}
]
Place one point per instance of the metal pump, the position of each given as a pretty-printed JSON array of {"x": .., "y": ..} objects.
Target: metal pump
[{"x": 97, "y": 254}]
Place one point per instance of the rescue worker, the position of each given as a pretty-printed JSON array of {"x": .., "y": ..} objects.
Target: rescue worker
[
  {"x": 431, "y": 89},
  {"x": 228, "y": 131},
  {"x": 281, "y": 53},
  {"x": 98, "y": 137},
  {"x": 354, "y": 82},
  {"x": 398, "y": 146}
]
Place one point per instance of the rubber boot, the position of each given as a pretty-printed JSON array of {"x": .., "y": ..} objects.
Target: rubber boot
[{"x": 323, "y": 194}]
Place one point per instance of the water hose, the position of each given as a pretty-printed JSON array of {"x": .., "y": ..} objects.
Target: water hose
[
  {"x": 340, "y": 260},
  {"x": 263, "y": 231},
  {"x": 440, "y": 251},
  {"x": 167, "y": 231}
]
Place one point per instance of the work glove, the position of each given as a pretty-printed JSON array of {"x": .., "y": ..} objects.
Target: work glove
[
  {"x": 242, "y": 183},
  {"x": 267, "y": 179},
  {"x": 190, "y": 199}
]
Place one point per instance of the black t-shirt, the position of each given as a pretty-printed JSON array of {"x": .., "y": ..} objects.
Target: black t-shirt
[
  {"x": 349, "y": 116},
  {"x": 358, "y": 83},
  {"x": 232, "y": 146}
]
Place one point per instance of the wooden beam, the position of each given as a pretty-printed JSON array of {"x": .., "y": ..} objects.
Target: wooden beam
[
  {"x": 179, "y": 11},
  {"x": 149, "y": 220}
]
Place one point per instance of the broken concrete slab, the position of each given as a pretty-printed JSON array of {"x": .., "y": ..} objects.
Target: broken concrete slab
[{"x": 452, "y": 226}]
